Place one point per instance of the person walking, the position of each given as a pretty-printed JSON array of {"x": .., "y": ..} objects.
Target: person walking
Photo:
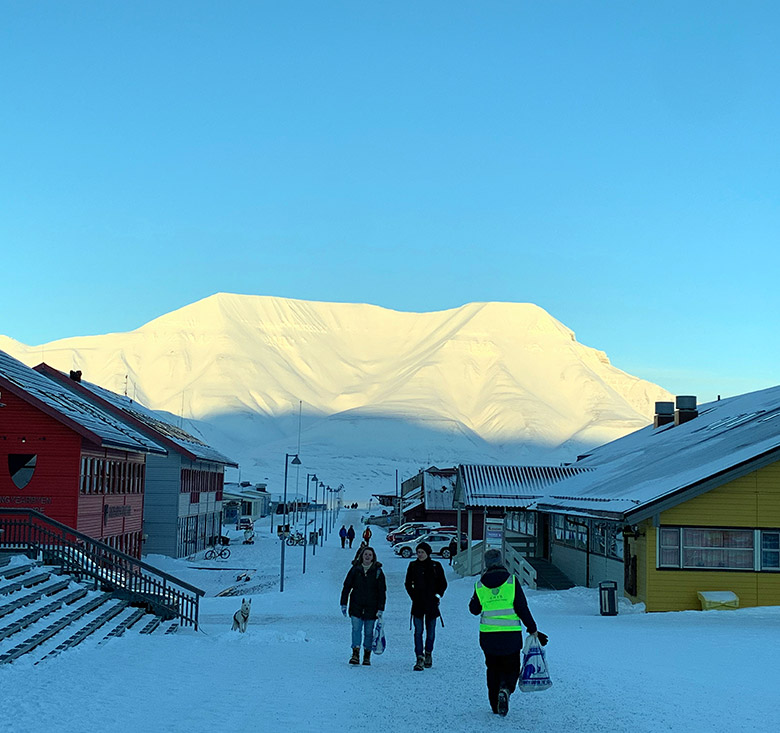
[
  {"x": 499, "y": 600},
  {"x": 365, "y": 589},
  {"x": 425, "y": 583},
  {"x": 453, "y": 548},
  {"x": 343, "y": 536},
  {"x": 367, "y": 535},
  {"x": 351, "y": 535}
]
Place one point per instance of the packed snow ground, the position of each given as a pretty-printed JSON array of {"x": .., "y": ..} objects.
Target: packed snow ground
[{"x": 689, "y": 671}]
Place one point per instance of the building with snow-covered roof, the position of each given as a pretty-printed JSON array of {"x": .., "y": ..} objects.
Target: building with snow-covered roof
[
  {"x": 184, "y": 484},
  {"x": 690, "y": 503},
  {"x": 62, "y": 455}
]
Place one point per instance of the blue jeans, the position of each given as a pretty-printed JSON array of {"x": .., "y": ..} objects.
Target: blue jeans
[
  {"x": 364, "y": 628},
  {"x": 430, "y": 633}
]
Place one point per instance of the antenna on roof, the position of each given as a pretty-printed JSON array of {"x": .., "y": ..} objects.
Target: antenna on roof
[{"x": 125, "y": 385}]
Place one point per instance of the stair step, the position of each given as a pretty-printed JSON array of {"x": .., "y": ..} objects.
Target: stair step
[
  {"x": 30, "y": 619},
  {"x": 25, "y": 581},
  {"x": 87, "y": 630},
  {"x": 154, "y": 622},
  {"x": 126, "y": 623},
  {"x": 26, "y": 600},
  {"x": 14, "y": 570},
  {"x": 45, "y": 634},
  {"x": 172, "y": 629}
]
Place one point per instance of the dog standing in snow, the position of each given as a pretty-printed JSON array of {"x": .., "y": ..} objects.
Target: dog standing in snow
[{"x": 241, "y": 617}]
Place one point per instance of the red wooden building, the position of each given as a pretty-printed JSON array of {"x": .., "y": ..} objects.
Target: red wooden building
[{"x": 70, "y": 460}]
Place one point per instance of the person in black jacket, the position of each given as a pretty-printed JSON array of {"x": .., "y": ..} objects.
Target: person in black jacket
[
  {"x": 366, "y": 590},
  {"x": 351, "y": 535},
  {"x": 500, "y": 638},
  {"x": 425, "y": 583}
]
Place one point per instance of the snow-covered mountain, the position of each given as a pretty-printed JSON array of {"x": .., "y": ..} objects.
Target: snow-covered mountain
[{"x": 376, "y": 389}]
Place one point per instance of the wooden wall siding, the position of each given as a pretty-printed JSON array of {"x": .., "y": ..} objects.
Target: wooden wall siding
[
  {"x": 768, "y": 485},
  {"x": 732, "y": 505},
  {"x": 93, "y": 521},
  {"x": 53, "y": 489},
  {"x": 751, "y": 501}
]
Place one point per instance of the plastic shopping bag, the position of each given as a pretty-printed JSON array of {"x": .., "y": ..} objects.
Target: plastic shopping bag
[
  {"x": 379, "y": 642},
  {"x": 534, "y": 674}
]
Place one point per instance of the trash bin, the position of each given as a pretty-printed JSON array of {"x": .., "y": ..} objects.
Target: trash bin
[{"x": 608, "y": 598}]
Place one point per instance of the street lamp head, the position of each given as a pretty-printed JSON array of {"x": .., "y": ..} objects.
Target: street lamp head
[
  {"x": 314, "y": 478},
  {"x": 295, "y": 461}
]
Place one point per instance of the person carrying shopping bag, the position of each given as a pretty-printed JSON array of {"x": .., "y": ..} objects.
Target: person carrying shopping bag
[
  {"x": 502, "y": 606},
  {"x": 363, "y": 596}
]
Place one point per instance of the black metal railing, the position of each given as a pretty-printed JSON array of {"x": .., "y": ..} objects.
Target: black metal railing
[{"x": 35, "y": 534}]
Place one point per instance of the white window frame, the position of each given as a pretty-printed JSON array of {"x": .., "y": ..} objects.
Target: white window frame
[
  {"x": 757, "y": 547},
  {"x": 760, "y": 550}
]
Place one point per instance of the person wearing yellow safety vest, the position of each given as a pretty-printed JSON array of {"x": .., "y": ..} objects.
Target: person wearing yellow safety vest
[{"x": 500, "y": 603}]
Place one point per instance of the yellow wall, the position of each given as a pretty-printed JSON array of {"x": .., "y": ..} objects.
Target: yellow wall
[{"x": 752, "y": 501}]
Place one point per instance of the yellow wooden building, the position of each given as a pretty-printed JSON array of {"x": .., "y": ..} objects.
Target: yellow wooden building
[{"x": 696, "y": 500}]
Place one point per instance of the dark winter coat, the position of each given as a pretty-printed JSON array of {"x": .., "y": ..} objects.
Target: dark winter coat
[
  {"x": 343, "y": 532},
  {"x": 351, "y": 533},
  {"x": 503, "y": 642},
  {"x": 366, "y": 591},
  {"x": 424, "y": 580},
  {"x": 453, "y": 547}
]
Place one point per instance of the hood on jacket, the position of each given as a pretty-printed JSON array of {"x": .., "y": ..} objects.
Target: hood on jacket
[{"x": 493, "y": 577}]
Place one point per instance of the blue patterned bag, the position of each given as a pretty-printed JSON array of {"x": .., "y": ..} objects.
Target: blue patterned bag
[{"x": 534, "y": 673}]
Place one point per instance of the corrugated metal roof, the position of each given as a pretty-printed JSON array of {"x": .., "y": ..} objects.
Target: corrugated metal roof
[
  {"x": 439, "y": 488},
  {"x": 153, "y": 422},
  {"x": 654, "y": 464},
  {"x": 108, "y": 429},
  {"x": 510, "y": 486}
]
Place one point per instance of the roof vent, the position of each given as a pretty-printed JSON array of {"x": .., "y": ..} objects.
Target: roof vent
[
  {"x": 664, "y": 414},
  {"x": 75, "y": 376},
  {"x": 686, "y": 409}
]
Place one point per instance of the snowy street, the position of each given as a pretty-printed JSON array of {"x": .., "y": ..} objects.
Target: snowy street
[{"x": 687, "y": 671}]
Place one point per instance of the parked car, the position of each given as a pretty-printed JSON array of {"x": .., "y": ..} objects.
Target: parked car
[
  {"x": 407, "y": 528},
  {"x": 412, "y": 534},
  {"x": 439, "y": 542},
  {"x": 246, "y": 523}
]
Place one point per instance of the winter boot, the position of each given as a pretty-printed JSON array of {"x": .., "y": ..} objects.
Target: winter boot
[
  {"x": 420, "y": 665},
  {"x": 367, "y": 657},
  {"x": 503, "y": 702},
  {"x": 355, "y": 658},
  {"x": 428, "y": 660}
]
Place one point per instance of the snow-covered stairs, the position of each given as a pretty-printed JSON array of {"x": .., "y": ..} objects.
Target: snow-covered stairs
[{"x": 44, "y": 614}]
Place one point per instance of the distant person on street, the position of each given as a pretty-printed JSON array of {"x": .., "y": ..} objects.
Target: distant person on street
[
  {"x": 351, "y": 535},
  {"x": 499, "y": 598},
  {"x": 343, "y": 536},
  {"x": 453, "y": 548},
  {"x": 367, "y": 535},
  {"x": 425, "y": 583},
  {"x": 366, "y": 590}
]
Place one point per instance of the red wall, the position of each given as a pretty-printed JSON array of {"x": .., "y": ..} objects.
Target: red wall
[{"x": 53, "y": 489}]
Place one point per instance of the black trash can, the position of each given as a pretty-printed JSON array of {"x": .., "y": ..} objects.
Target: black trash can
[{"x": 608, "y": 598}]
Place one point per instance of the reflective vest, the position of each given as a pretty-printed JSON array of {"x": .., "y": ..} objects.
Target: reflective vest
[{"x": 498, "y": 613}]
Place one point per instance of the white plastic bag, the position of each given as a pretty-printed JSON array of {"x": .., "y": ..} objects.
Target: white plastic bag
[
  {"x": 534, "y": 673},
  {"x": 379, "y": 642}
]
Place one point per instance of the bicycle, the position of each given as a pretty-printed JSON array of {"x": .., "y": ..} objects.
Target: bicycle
[
  {"x": 217, "y": 552},
  {"x": 296, "y": 539}
]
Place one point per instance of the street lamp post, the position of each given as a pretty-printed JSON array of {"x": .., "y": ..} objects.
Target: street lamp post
[
  {"x": 295, "y": 462},
  {"x": 322, "y": 518},
  {"x": 309, "y": 477}
]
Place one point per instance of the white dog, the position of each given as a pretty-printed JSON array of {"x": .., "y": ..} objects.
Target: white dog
[{"x": 241, "y": 617}]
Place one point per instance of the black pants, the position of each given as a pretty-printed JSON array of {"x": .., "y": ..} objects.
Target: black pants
[
  {"x": 343, "y": 542},
  {"x": 503, "y": 672}
]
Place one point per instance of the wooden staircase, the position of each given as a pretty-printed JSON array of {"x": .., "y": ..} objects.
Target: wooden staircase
[
  {"x": 44, "y": 613},
  {"x": 548, "y": 576}
]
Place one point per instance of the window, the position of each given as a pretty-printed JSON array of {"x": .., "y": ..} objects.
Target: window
[
  {"x": 669, "y": 555},
  {"x": 770, "y": 550},
  {"x": 706, "y": 548}
]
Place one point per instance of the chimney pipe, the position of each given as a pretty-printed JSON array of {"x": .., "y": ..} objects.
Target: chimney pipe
[
  {"x": 75, "y": 376},
  {"x": 664, "y": 414},
  {"x": 686, "y": 409}
]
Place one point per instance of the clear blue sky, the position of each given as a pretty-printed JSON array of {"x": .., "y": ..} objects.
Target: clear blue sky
[{"x": 613, "y": 162}]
